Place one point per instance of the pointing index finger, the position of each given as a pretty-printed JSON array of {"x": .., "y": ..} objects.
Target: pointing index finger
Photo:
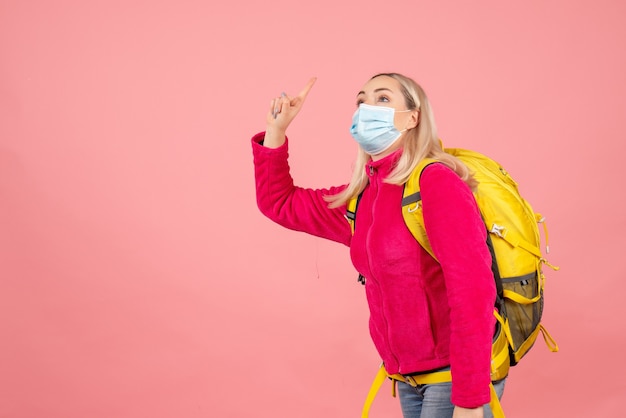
[{"x": 307, "y": 88}]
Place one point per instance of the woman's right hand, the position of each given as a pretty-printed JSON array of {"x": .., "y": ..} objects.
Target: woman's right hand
[{"x": 282, "y": 111}]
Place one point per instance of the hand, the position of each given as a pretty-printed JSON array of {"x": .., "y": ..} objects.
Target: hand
[
  {"x": 282, "y": 111},
  {"x": 460, "y": 412}
]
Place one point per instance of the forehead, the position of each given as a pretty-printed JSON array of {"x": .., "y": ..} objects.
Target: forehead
[{"x": 381, "y": 82}]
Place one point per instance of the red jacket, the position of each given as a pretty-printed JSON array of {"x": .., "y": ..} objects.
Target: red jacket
[{"x": 424, "y": 314}]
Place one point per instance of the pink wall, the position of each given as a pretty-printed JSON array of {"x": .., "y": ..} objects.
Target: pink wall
[{"x": 138, "y": 278}]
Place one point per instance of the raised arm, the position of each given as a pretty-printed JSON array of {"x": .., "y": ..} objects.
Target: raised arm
[{"x": 278, "y": 198}]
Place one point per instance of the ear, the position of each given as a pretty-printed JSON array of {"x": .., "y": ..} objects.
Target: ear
[{"x": 414, "y": 119}]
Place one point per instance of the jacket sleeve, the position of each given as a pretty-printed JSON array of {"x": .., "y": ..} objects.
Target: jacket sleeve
[
  {"x": 458, "y": 238},
  {"x": 294, "y": 207}
]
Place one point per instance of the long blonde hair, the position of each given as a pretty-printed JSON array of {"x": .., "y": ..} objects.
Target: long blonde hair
[{"x": 419, "y": 143}]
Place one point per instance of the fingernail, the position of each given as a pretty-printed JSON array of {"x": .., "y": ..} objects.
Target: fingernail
[{"x": 282, "y": 94}]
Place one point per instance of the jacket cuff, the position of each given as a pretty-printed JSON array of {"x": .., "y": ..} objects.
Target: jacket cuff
[{"x": 257, "y": 143}]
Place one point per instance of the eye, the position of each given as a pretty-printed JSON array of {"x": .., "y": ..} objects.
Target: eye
[
  {"x": 383, "y": 99},
  {"x": 358, "y": 102}
]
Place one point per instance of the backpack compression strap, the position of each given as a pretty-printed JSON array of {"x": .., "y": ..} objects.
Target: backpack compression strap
[{"x": 421, "y": 379}]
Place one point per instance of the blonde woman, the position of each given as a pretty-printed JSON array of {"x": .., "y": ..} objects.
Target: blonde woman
[{"x": 426, "y": 314}]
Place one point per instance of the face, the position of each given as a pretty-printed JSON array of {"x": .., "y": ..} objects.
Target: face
[{"x": 387, "y": 91}]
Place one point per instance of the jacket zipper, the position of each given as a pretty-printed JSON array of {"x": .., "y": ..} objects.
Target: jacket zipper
[{"x": 367, "y": 247}]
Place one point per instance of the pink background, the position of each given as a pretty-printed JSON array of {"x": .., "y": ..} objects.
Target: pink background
[{"x": 138, "y": 278}]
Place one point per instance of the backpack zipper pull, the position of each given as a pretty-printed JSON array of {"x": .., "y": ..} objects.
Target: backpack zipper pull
[
  {"x": 547, "y": 263},
  {"x": 542, "y": 220}
]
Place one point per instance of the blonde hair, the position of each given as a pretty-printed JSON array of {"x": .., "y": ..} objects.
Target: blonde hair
[{"x": 419, "y": 143}]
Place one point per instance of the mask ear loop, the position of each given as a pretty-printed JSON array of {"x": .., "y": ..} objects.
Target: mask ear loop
[
  {"x": 402, "y": 111},
  {"x": 419, "y": 112}
]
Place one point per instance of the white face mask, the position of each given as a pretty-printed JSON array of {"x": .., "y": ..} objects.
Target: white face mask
[{"x": 373, "y": 128}]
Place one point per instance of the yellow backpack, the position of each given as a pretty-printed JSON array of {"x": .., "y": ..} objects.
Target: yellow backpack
[{"x": 514, "y": 241}]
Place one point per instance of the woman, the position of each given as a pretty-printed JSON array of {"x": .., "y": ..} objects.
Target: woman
[{"x": 425, "y": 314}]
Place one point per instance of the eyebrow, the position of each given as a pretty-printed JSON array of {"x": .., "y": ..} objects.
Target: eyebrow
[{"x": 376, "y": 91}]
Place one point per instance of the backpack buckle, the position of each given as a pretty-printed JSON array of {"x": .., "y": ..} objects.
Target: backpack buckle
[{"x": 497, "y": 230}]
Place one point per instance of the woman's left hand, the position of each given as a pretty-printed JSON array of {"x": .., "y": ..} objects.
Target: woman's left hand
[{"x": 460, "y": 412}]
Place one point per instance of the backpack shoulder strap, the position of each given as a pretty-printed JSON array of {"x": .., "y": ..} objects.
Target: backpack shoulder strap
[
  {"x": 351, "y": 217},
  {"x": 351, "y": 211},
  {"x": 412, "y": 205}
]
